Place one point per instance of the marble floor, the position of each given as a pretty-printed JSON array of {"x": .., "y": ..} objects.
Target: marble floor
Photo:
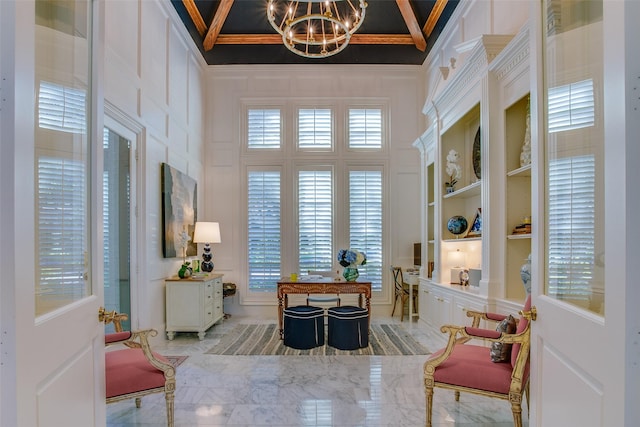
[{"x": 283, "y": 391}]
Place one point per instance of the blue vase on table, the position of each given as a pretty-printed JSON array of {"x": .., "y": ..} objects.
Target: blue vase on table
[{"x": 350, "y": 274}]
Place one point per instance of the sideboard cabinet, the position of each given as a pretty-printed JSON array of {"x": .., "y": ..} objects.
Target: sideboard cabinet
[{"x": 193, "y": 305}]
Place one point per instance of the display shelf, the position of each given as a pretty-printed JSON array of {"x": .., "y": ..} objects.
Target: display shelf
[
  {"x": 463, "y": 239},
  {"x": 470, "y": 190},
  {"x": 518, "y": 236},
  {"x": 521, "y": 171}
]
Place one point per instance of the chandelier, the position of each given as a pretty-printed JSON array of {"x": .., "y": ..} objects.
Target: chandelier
[{"x": 316, "y": 29}]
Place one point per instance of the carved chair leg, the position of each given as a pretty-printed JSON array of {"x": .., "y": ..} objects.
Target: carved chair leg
[
  {"x": 516, "y": 408},
  {"x": 526, "y": 393},
  {"x": 457, "y": 395},
  {"x": 429, "y": 394},
  {"x": 169, "y": 397},
  {"x": 138, "y": 402}
]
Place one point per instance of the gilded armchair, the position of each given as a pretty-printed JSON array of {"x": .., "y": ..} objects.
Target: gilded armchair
[
  {"x": 462, "y": 366},
  {"x": 135, "y": 370}
]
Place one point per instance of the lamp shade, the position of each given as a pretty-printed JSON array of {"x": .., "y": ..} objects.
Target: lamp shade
[
  {"x": 207, "y": 232},
  {"x": 456, "y": 258}
]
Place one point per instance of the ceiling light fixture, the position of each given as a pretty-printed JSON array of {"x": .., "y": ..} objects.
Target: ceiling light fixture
[{"x": 316, "y": 29}]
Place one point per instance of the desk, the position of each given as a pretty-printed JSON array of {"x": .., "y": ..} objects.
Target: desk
[
  {"x": 411, "y": 280},
  {"x": 321, "y": 286}
]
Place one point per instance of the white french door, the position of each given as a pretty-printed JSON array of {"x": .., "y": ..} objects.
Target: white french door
[
  {"x": 579, "y": 341},
  {"x": 59, "y": 341}
]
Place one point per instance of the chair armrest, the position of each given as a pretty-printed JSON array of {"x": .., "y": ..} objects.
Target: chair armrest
[
  {"x": 480, "y": 315},
  {"x": 117, "y": 337},
  {"x": 140, "y": 339}
]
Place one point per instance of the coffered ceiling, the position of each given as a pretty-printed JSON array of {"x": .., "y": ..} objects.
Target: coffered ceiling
[{"x": 238, "y": 32}]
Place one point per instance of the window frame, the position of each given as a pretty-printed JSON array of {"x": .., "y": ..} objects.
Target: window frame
[{"x": 341, "y": 158}]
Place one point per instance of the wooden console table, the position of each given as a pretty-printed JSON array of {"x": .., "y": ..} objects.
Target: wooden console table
[{"x": 321, "y": 286}]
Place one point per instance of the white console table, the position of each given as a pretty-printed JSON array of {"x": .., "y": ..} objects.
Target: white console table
[{"x": 193, "y": 305}]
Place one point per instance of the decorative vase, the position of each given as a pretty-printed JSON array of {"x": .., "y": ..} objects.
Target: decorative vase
[
  {"x": 450, "y": 189},
  {"x": 185, "y": 271},
  {"x": 525, "y": 274},
  {"x": 350, "y": 274}
]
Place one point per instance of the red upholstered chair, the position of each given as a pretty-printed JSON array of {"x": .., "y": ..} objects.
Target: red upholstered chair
[
  {"x": 135, "y": 370},
  {"x": 462, "y": 366}
]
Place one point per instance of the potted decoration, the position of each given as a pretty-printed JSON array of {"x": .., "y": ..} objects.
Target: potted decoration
[
  {"x": 350, "y": 259},
  {"x": 453, "y": 171}
]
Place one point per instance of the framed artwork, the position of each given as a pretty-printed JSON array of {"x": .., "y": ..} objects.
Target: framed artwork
[
  {"x": 179, "y": 211},
  {"x": 476, "y": 226}
]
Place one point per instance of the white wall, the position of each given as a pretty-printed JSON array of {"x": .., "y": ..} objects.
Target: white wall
[
  {"x": 154, "y": 80},
  {"x": 402, "y": 89}
]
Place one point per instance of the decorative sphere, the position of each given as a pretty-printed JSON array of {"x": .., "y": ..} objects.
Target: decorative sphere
[{"x": 457, "y": 224}]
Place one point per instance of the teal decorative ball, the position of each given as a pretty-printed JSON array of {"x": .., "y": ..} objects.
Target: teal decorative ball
[{"x": 457, "y": 224}]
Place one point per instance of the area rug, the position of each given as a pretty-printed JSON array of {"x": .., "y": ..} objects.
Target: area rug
[
  {"x": 176, "y": 361},
  {"x": 264, "y": 340}
]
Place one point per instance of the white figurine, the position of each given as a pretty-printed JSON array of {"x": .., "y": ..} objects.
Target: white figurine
[
  {"x": 453, "y": 170},
  {"x": 525, "y": 154}
]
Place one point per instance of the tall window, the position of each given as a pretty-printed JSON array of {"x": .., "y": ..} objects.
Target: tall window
[
  {"x": 315, "y": 220},
  {"x": 324, "y": 168},
  {"x": 365, "y": 221},
  {"x": 263, "y": 226}
]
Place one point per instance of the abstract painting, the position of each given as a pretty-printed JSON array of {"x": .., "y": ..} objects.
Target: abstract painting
[{"x": 179, "y": 211}]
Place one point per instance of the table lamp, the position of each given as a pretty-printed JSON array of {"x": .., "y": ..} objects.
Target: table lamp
[
  {"x": 457, "y": 260},
  {"x": 207, "y": 232}
]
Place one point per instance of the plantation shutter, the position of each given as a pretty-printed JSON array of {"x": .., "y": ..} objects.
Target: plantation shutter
[
  {"x": 263, "y": 228},
  {"x": 315, "y": 220},
  {"x": 61, "y": 108},
  {"x": 365, "y": 222},
  {"x": 61, "y": 227},
  {"x": 365, "y": 128},
  {"x": 571, "y": 106},
  {"x": 314, "y": 128},
  {"x": 571, "y": 227},
  {"x": 263, "y": 128}
]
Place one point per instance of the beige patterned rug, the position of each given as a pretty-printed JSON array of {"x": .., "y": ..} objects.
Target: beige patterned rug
[{"x": 264, "y": 340}]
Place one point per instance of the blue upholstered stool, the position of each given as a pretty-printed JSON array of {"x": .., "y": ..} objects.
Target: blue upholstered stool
[
  {"x": 303, "y": 327},
  {"x": 348, "y": 327}
]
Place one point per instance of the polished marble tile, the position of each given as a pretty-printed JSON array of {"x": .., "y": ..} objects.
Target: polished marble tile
[{"x": 288, "y": 391}]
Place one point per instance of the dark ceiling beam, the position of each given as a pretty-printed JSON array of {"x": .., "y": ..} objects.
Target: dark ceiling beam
[
  {"x": 412, "y": 24},
  {"x": 432, "y": 20},
  {"x": 194, "y": 13},
  {"x": 387, "y": 39},
  {"x": 217, "y": 23}
]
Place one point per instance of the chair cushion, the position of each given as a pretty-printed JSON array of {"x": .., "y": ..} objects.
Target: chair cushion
[
  {"x": 501, "y": 352},
  {"x": 129, "y": 371},
  {"x": 471, "y": 366}
]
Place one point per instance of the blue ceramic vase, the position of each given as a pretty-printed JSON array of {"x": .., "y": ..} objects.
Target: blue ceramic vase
[{"x": 350, "y": 274}]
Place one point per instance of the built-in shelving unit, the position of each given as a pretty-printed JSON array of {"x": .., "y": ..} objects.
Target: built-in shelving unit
[{"x": 488, "y": 98}]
